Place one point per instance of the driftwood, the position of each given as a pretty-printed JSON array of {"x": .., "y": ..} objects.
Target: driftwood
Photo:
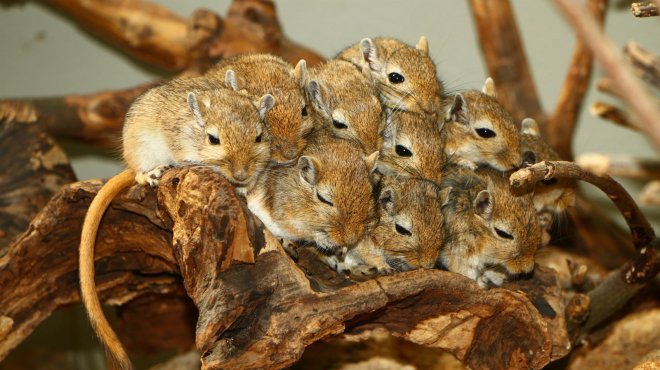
[{"x": 262, "y": 314}]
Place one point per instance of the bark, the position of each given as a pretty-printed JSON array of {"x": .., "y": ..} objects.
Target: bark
[{"x": 644, "y": 9}]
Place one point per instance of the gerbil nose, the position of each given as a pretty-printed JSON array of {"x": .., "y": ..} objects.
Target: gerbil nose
[
  {"x": 290, "y": 153},
  {"x": 240, "y": 175}
]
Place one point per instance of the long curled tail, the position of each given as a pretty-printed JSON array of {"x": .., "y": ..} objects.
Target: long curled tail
[{"x": 87, "y": 285}]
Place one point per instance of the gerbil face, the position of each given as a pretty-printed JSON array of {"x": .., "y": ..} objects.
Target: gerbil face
[
  {"x": 491, "y": 235},
  {"x": 478, "y": 130},
  {"x": 231, "y": 135},
  {"x": 411, "y": 146},
  {"x": 409, "y": 216}
]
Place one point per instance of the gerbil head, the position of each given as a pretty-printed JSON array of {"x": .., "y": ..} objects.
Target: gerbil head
[
  {"x": 411, "y": 143},
  {"x": 230, "y": 133},
  {"x": 408, "y": 231},
  {"x": 479, "y": 131},
  {"x": 492, "y": 235},
  {"x": 335, "y": 202},
  {"x": 346, "y": 106},
  {"x": 405, "y": 76},
  {"x": 553, "y": 195}
]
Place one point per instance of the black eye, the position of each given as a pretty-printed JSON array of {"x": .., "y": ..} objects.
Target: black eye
[
  {"x": 503, "y": 234},
  {"x": 395, "y": 78},
  {"x": 304, "y": 111},
  {"x": 213, "y": 140},
  {"x": 485, "y": 133},
  {"x": 323, "y": 200},
  {"x": 339, "y": 125},
  {"x": 551, "y": 181},
  {"x": 402, "y": 151},
  {"x": 258, "y": 139},
  {"x": 401, "y": 230}
]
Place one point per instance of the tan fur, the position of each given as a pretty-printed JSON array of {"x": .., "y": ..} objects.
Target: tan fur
[
  {"x": 472, "y": 245},
  {"x": 288, "y": 204},
  {"x": 473, "y": 110},
  {"x": 342, "y": 96},
  {"x": 421, "y": 91},
  {"x": 414, "y": 205},
  {"x": 259, "y": 74},
  {"x": 162, "y": 130},
  {"x": 420, "y": 135}
]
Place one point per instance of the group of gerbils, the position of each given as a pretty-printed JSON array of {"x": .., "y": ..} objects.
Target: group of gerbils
[{"x": 365, "y": 156}]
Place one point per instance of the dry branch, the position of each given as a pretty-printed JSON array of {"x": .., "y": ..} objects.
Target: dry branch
[
  {"x": 613, "y": 114},
  {"x": 650, "y": 194},
  {"x": 620, "y": 166},
  {"x": 645, "y": 65},
  {"x": 644, "y": 9}
]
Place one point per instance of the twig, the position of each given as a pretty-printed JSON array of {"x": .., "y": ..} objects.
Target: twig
[
  {"x": 605, "y": 85},
  {"x": 644, "y": 9},
  {"x": 562, "y": 121},
  {"x": 620, "y": 166},
  {"x": 632, "y": 92},
  {"x": 650, "y": 194},
  {"x": 612, "y": 114},
  {"x": 645, "y": 65}
]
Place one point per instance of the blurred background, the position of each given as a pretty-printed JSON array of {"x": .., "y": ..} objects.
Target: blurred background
[{"x": 43, "y": 53}]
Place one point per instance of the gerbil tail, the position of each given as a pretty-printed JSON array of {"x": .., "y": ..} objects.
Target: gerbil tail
[{"x": 87, "y": 284}]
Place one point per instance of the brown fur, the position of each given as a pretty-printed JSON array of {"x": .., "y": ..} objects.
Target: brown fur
[
  {"x": 421, "y": 91},
  {"x": 420, "y": 135},
  {"x": 259, "y": 74},
  {"x": 342, "y": 96},
  {"x": 462, "y": 144},
  {"x": 472, "y": 245},
  {"x": 286, "y": 198}
]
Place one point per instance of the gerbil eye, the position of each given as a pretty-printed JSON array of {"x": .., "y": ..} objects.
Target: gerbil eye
[
  {"x": 395, "y": 78},
  {"x": 503, "y": 234},
  {"x": 304, "y": 111},
  {"x": 258, "y": 139},
  {"x": 339, "y": 125},
  {"x": 551, "y": 181},
  {"x": 485, "y": 133},
  {"x": 213, "y": 140},
  {"x": 323, "y": 200},
  {"x": 402, "y": 230},
  {"x": 402, "y": 151}
]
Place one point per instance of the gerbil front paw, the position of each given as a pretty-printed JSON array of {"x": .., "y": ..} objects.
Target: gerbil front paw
[
  {"x": 467, "y": 163},
  {"x": 152, "y": 177}
]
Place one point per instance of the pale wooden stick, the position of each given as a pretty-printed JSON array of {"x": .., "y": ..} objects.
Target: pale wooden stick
[{"x": 620, "y": 166}]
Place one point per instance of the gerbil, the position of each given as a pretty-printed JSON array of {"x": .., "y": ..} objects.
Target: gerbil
[
  {"x": 411, "y": 146},
  {"x": 344, "y": 103},
  {"x": 408, "y": 233},
  {"x": 325, "y": 198},
  {"x": 177, "y": 123},
  {"x": 478, "y": 130},
  {"x": 490, "y": 233},
  {"x": 404, "y": 76},
  {"x": 258, "y": 74}
]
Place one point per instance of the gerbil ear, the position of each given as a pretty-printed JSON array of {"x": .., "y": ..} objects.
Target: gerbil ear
[
  {"x": 194, "y": 108},
  {"x": 370, "y": 54},
  {"x": 265, "y": 104},
  {"x": 386, "y": 200},
  {"x": 300, "y": 73},
  {"x": 371, "y": 160},
  {"x": 530, "y": 127},
  {"x": 423, "y": 45},
  {"x": 483, "y": 205},
  {"x": 389, "y": 132},
  {"x": 489, "y": 88},
  {"x": 458, "y": 111},
  {"x": 308, "y": 169},
  {"x": 313, "y": 89},
  {"x": 230, "y": 80}
]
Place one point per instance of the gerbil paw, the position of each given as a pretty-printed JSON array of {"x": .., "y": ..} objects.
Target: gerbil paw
[
  {"x": 467, "y": 163},
  {"x": 363, "y": 271},
  {"x": 152, "y": 177},
  {"x": 290, "y": 248}
]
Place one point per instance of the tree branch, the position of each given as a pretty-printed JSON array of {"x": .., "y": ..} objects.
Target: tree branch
[
  {"x": 620, "y": 166},
  {"x": 644, "y": 9}
]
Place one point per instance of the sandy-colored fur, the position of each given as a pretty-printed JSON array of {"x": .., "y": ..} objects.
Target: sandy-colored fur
[
  {"x": 415, "y": 206},
  {"x": 286, "y": 197},
  {"x": 472, "y": 245},
  {"x": 420, "y": 135},
  {"x": 472, "y": 111},
  {"x": 345, "y": 104},
  {"x": 259, "y": 74},
  {"x": 421, "y": 91}
]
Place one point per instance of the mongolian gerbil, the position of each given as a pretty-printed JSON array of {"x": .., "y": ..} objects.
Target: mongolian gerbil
[
  {"x": 259, "y": 74},
  {"x": 183, "y": 121},
  {"x": 325, "y": 198},
  {"x": 411, "y": 146},
  {"x": 478, "y": 130},
  {"x": 408, "y": 233},
  {"x": 345, "y": 104},
  {"x": 404, "y": 76},
  {"x": 490, "y": 234}
]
